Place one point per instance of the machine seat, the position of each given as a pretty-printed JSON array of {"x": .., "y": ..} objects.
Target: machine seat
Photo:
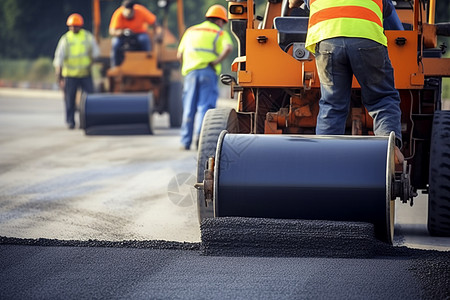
[{"x": 291, "y": 30}]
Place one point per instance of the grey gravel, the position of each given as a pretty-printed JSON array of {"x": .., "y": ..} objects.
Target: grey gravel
[{"x": 238, "y": 236}]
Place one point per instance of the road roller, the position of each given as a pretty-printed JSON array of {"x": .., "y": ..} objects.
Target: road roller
[
  {"x": 146, "y": 82},
  {"x": 262, "y": 159}
]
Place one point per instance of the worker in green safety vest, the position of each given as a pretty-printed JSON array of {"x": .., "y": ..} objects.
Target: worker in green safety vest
[
  {"x": 202, "y": 49},
  {"x": 73, "y": 60},
  {"x": 347, "y": 38}
]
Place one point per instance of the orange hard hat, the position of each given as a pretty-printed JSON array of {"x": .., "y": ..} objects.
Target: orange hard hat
[
  {"x": 75, "y": 20},
  {"x": 217, "y": 11}
]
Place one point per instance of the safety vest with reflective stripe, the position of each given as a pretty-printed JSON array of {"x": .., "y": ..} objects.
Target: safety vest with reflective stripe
[
  {"x": 77, "y": 59},
  {"x": 345, "y": 18},
  {"x": 202, "y": 44}
]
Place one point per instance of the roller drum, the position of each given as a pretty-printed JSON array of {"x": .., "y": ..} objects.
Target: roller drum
[
  {"x": 117, "y": 114},
  {"x": 339, "y": 178}
]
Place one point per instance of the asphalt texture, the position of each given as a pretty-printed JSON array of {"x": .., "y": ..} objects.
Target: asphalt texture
[
  {"x": 248, "y": 260},
  {"x": 236, "y": 236}
]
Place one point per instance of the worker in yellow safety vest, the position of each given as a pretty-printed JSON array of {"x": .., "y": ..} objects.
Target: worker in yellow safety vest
[
  {"x": 73, "y": 60},
  {"x": 347, "y": 38},
  {"x": 202, "y": 49}
]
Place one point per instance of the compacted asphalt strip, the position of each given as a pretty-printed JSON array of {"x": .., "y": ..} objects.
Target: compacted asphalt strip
[{"x": 54, "y": 269}]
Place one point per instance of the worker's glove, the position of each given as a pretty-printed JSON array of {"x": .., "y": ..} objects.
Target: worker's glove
[
  {"x": 398, "y": 156},
  {"x": 127, "y": 32}
]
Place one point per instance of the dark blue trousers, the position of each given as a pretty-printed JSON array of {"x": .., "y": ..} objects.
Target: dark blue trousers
[{"x": 71, "y": 85}]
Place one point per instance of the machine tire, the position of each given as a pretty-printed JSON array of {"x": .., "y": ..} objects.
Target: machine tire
[
  {"x": 215, "y": 121},
  {"x": 175, "y": 104},
  {"x": 439, "y": 193}
]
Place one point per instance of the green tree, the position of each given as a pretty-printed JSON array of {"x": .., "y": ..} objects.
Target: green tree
[{"x": 31, "y": 28}]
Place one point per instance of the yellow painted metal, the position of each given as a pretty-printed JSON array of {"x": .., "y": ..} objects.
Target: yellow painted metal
[{"x": 431, "y": 11}]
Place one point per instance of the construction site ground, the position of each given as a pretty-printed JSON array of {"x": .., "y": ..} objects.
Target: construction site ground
[{"x": 114, "y": 217}]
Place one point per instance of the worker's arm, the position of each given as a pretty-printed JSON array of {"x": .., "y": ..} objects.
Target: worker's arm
[
  {"x": 115, "y": 28},
  {"x": 225, "y": 52},
  {"x": 95, "y": 49},
  {"x": 180, "y": 56},
  {"x": 116, "y": 31},
  {"x": 59, "y": 60},
  {"x": 295, "y": 3},
  {"x": 181, "y": 47},
  {"x": 391, "y": 21}
]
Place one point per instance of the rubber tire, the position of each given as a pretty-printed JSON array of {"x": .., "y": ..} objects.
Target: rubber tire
[
  {"x": 175, "y": 104},
  {"x": 439, "y": 188},
  {"x": 215, "y": 121}
]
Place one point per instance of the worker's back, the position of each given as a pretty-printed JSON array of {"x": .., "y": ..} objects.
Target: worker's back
[
  {"x": 200, "y": 45},
  {"x": 360, "y": 19}
]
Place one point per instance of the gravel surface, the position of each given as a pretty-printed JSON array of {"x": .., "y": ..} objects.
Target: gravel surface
[
  {"x": 235, "y": 236},
  {"x": 49, "y": 269}
]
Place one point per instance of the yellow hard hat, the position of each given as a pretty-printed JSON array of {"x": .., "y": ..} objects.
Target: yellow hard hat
[
  {"x": 217, "y": 11},
  {"x": 75, "y": 20}
]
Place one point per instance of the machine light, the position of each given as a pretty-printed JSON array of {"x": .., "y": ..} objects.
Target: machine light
[{"x": 237, "y": 9}]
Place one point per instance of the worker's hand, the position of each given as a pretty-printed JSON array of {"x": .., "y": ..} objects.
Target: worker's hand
[
  {"x": 295, "y": 3},
  {"x": 61, "y": 83},
  {"x": 398, "y": 156},
  {"x": 59, "y": 78},
  {"x": 127, "y": 32}
]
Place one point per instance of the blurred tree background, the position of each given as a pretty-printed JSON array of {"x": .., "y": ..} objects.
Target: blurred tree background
[{"x": 30, "y": 29}]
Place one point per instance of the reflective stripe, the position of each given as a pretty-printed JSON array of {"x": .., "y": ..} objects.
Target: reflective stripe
[
  {"x": 202, "y": 44},
  {"x": 330, "y": 3},
  {"x": 204, "y": 50},
  {"x": 215, "y": 42},
  {"x": 345, "y": 18},
  {"x": 206, "y": 29},
  {"x": 214, "y": 49},
  {"x": 356, "y": 12}
]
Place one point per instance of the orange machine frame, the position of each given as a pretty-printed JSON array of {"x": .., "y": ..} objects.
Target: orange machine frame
[{"x": 262, "y": 70}]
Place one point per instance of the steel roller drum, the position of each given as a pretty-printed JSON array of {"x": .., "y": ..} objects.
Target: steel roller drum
[
  {"x": 338, "y": 178},
  {"x": 117, "y": 114}
]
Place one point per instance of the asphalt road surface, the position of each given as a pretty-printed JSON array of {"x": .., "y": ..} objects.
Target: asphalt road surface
[{"x": 114, "y": 217}]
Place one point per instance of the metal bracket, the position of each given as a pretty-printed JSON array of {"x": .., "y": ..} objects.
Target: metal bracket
[
  {"x": 208, "y": 182},
  {"x": 402, "y": 185}
]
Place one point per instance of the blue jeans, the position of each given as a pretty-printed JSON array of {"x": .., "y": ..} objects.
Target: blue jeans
[
  {"x": 200, "y": 93},
  {"x": 71, "y": 85},
  {"x": 117, "y": 43},
  {"x": 337, "y": 60}
]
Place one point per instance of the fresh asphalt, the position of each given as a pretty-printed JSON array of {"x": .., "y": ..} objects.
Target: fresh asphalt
[
  {"x": 115, "y": 268},
  {"x": 51, "y": 269}
]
